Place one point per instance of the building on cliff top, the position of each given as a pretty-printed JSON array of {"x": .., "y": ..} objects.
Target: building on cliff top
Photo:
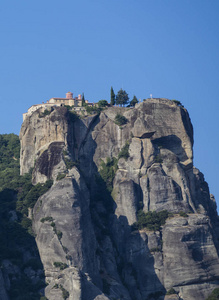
[{"x": 69, "y": 100}]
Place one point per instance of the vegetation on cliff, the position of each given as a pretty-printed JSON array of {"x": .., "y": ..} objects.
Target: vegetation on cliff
[
  {"x": 17, "y": 194},
  {"x": 151, "y": 220}
]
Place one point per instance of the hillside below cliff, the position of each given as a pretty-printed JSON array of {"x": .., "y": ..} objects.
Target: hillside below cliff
[{"x": 128, "y": 215}]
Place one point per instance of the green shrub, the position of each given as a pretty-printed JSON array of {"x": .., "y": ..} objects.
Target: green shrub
[
  {"x": 108, "y": 171},
  {"x": 65, "y": 293},
  {"x": 178, "y": 103},
  {"x": 171, "y": 292},
  {"x": 53, "y": 224},
  {"x": 26, "y": 223},
  {"x": 56, "y": 286},
  {"x": 60, "y": 176},
  {"x": 151, "y": 220},
  {"x": 120, "y": 120},
  {"x": 70, "y": 163},
  {"x": 93, "y": 109},
  {"x": 46, "y": 112},
  {"x": 59, "y": 234},
  {"x": 47, "y": 219},
  {"x": 65, "y": 249},
  {"x": 183, "y": 214},
  {"x": 158, "y": 159},
  {"x": 155, "y": 249},
  {"x": 214, "y": 295},
  {"x": 124, "y": 151},
  {"x": 60, "y": 265}
]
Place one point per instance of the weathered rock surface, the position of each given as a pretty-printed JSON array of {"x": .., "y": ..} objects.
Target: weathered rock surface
[{"x": 84, "y": 231}]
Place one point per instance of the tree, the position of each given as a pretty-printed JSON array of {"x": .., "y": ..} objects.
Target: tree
[
  {"x": 134, "y": 101},
  {"x": 113, "y": 96},
  {"x": 102, "y": 103},
  {"x": 83, "y": 100},
  {"x": 122, "y": 98}
]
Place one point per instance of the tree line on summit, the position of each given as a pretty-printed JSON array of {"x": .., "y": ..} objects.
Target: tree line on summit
[{"x": 122, "y": 98}]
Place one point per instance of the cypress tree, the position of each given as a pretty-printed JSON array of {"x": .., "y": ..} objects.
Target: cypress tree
[
  {"x": 134, "y": 101},
  {"x": 113, "y": 97},
  {"x": 83, "y": 100}
]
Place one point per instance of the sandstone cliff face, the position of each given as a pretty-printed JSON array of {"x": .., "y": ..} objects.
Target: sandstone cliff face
[{"x": 84, "y": 230}]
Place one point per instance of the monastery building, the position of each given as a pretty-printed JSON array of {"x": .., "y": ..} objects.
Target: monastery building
[{"x": 76, "y": 103}]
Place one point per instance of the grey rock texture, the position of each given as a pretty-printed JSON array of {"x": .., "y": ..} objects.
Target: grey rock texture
[{"x": 83, "y": 224}]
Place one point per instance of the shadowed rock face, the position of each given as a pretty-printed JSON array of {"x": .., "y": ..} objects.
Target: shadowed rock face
[{"x": 83, "y": 224}]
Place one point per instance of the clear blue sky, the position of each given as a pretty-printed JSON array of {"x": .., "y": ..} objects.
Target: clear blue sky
[{"x": 165, "y": 47}]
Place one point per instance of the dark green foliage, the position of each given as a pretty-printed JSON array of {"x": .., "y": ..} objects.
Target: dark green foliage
[
  {"x": 178, "y": 103},
  {"x": 60, "y": 176},
  {"x": 104, "y": 185},
  {"x": 68, "y": 257},
  {"x": 9, "y": 148},
  {"x": 108, "y": 172},
  {"x": 93, "y": 109},
  {"x": 59, "y": 234},
  {"x": 124, "y": 151},
  {"x": 65, "y": 293},
  {"x": 43, "y": 298},
  {"x": 56, "y": 286},
  {"x": 158, "y": 159},
  {"x": 45, "y": 113},
  {"x": 183, "y": 214},
  {"x": 70, "y": 163},
  {"x": 102, "y": 103},
  {"x": 134, "y": 101},
  {"x": 65, "y": 249},
  {"x": 151, "y": 220},
  {"x": 69, "y": 108},
  {"x": 28, "y": 198},
  {"x": 9, "y": 161},
  {"x": 112, "y": 97},
  {"x": 60, "y": 265},
  {"x": 83, "y": 100},
  {"x": 171, "y": 292},
  {"x": 139, "y": 174},
  {"x": 214, "y": 295},
  {"x": 155, "y": 249},
  {"x": 47, "y": 219},
  {"x": 17, "y": 194},
  {"x": 120, "y": 120},
  {"x": 122, "y": 98}
]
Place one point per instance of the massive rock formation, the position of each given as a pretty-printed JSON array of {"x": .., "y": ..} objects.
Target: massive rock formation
[{"x": 83, "y": 224}]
